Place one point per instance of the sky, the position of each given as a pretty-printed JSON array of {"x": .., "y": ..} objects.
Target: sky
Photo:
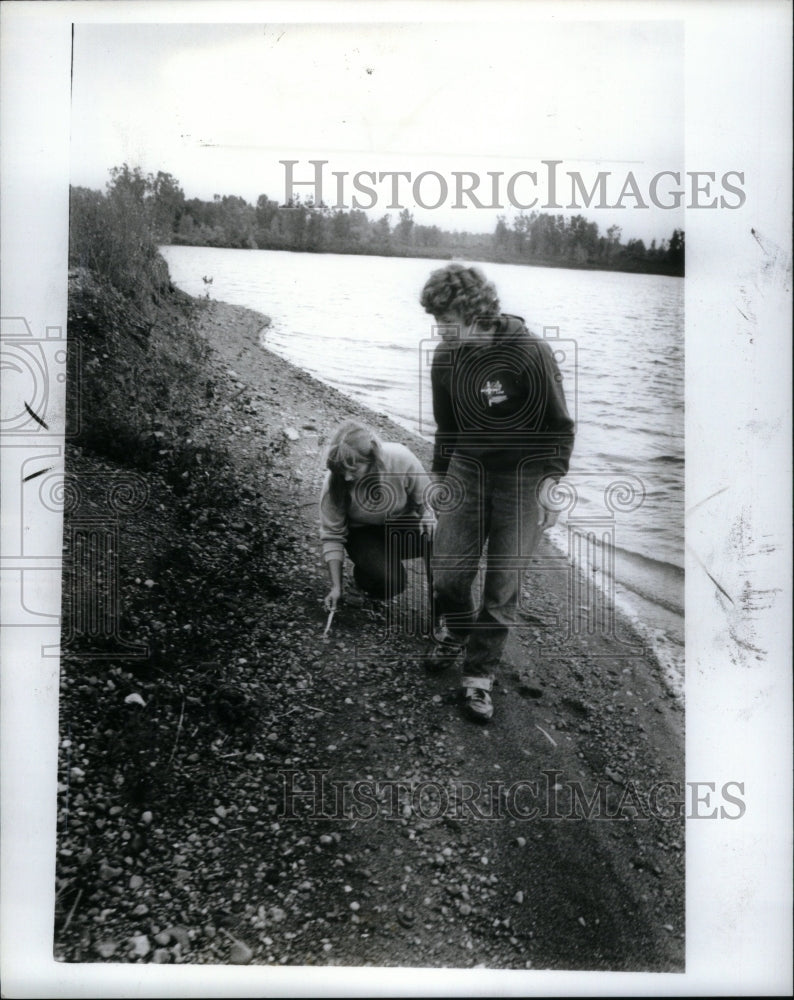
[{"x": 218, "y": 106}]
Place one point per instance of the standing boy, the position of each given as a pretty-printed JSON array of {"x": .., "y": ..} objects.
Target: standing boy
[{"x": 503, "y": 440}]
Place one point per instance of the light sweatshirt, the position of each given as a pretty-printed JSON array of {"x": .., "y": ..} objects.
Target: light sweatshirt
[{"x": 398, "y": 488}]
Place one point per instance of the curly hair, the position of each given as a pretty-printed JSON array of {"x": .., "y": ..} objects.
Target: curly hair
[{"x": 461, "y": 290}]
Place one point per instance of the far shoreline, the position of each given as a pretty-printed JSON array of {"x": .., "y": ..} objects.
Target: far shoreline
[{"x": 441, "y": 259}]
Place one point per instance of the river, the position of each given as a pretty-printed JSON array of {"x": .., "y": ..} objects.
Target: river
[{"x": 355, "y": 322}]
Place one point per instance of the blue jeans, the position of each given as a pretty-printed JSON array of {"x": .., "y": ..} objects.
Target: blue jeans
[{"x": 499, "y": 509}]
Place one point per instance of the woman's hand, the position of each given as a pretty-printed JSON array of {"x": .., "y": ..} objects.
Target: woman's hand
[
  {"x": 427, "y": 522},
  {"x": 332, "y": 598},
  {"x": 547, "y": 516}
]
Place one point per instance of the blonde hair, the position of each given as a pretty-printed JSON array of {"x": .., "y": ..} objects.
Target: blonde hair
[{"x": 351, "y": 443}]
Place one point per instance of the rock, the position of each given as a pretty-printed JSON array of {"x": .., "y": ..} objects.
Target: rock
[
  {"x": 521, "y": 841},
  {"x": 107, "y": 872},
  {"x": 240, "y": 954},
  {"x": 106, "y": 948},
  {"x": 140, "y": 945},
  {"x": 146, "y": 817},
  {"x": 519, "y": 897},
  {"x": 135, "y": 881},
  {"x": 163, "y": 937},
  {"x": 180, "y": 935},
  {"x": 291, "y": 434},
  {"x": 162, "y": 956},
  {"x": 134, "y": 699}
]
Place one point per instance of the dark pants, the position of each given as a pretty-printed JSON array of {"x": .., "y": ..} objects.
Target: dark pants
[{"x": 377, "y": 552}]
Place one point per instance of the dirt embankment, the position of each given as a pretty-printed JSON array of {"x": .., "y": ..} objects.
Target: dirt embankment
[{"x": 243, "y": 792}]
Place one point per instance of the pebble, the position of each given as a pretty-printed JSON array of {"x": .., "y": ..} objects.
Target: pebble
[
  {"x": 134, "y": 699},
  {"x": 106, "y": 948},
  {"x": 146, "y": 817},
  {"x": 519, "y": 897},
  {"x": 521, "y": 841},
  {"x": 161, "y": 956},
  {"x": 135, "y": 881},
  {"x": 140, "y": 945},
  {"x": 180, "y": 935},
  {"x": 582, "y": 921},
  {"x": 240, "y": 954}
]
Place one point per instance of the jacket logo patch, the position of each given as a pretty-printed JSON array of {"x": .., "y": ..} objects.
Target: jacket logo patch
[{"x": 493, "y": 392}]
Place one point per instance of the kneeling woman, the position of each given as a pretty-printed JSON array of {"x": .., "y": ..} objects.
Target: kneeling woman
[{"x": 374, "y": 507}]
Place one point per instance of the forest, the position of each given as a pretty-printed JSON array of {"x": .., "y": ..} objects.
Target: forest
[{"x": 541, "y": 239}]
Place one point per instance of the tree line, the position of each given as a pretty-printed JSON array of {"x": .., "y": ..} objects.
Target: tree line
[{"x": 538, "y": 238}]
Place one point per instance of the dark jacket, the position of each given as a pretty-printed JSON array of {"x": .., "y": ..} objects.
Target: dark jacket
[{"x": 499, "y": 399}]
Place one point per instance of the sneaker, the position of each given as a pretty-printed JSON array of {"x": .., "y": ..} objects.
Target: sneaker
[
  {"x": 443, "y": 653},
  {"x": 476, "y": 692}
]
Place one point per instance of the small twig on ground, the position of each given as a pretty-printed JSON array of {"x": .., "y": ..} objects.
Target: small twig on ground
[
  {"x": 65, "y": 886},
  {"x": 545, "y": 734},
  {"x": 231, "y": 937},
  {"x": 74, "y": 907},
  {"x": 178, "y": 729},
  {"x": 311, "y": 708}
]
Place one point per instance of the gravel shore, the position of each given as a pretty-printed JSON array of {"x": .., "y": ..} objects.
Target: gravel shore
[{"x": 246, "y": 793}]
